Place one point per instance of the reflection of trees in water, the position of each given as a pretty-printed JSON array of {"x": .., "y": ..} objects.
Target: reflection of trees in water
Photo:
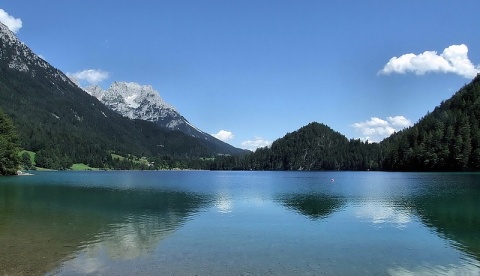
[
  {"x": 313, "y": 206},
  {"x": 41, "y": 224},
  {"x": 454, "y": 216},
  {"x": 454, "y": 213}
]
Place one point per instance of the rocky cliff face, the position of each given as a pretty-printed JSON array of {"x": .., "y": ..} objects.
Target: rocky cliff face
[
  {"x": 19, "y": 57},
  {"x": 142, "y": 102}
]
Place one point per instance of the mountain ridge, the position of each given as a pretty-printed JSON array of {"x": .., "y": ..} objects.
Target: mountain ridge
[
  {"x": 143, "y": 102},
  {"x": 63, "y": 124},
  {"x": 446, "y": 139}
]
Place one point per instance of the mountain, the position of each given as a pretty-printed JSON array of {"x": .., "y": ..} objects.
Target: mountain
[
  {"x": 142, "y": 102},
  {"x": 447, "y": 139},
  {"x": 318, "y": 147},
  {"x": 312, "y": 147},
  {"x": 137, "y": 101},
  {"x": 63, "y": 124}
]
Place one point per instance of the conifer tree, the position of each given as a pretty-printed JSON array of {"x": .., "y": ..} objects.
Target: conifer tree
[{"x": 9, "y": 160}]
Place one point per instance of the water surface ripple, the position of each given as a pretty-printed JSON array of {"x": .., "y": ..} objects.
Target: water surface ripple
[{"x": 240, "y": 223}]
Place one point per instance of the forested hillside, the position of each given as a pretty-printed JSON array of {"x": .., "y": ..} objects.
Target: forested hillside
[
  {"x": 317, "y": 147},
  {"x": 9, "y": 159},
  {"x": 447, "y": 139},
  {"x": 63, "y": 125},
  {"x": 312, "y": 147}
]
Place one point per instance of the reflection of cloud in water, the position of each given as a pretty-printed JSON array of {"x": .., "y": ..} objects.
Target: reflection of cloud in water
[
  {"x": 462, "y": 269},
  {"x": 139, "y": 236},
  {"x": 380, "y": 214},
  {"x": 136, "y": 238},
  {"x": 84, "y": 264},
  {"x": 224, "y": 204}
]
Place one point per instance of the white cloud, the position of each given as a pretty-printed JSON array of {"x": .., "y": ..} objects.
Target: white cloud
[
  {"x": 376, "y": 129},
  {"x": 254, "y": 144},
  {"x": 91, "y": 76},
  {"x": 399, "y": 121},
  {"x": 14, "y": 24},
  {"x": 453, "y": 59},
  {"x": 224, "y": 135}
]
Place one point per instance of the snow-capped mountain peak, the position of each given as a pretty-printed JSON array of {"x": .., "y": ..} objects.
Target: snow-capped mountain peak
[
  {"x": 142, "y": 102},
  {"x": 134, "y": 94},
  {"x": 134, "y": 101}
]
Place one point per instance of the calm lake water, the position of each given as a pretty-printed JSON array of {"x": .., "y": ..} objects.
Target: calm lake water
[{"x": 240, "y": 223}]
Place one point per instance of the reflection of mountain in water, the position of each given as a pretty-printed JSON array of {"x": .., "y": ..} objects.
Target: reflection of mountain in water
[
  {"x": 456, "y": 217},
  {"x": 451, "y": 207},
  {"x": 313, "y": 206},
  {"x": 42, "y": 224}
]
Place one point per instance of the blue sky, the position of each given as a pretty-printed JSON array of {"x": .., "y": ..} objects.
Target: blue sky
[{"x": 259, "y": 69}]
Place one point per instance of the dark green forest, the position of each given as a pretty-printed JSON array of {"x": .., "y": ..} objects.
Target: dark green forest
[
  {"x": 446, "y": 139},
  {"x": 9, "y": 159},
  {"x": 312, "y": 147},
  {"x": 64, "y": 125}
]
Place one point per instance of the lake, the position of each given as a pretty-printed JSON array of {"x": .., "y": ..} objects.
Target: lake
[{"x": 240, "y": 223}]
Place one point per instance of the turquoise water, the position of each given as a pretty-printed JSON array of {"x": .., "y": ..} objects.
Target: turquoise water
[{"x": 240, "y": 223}]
